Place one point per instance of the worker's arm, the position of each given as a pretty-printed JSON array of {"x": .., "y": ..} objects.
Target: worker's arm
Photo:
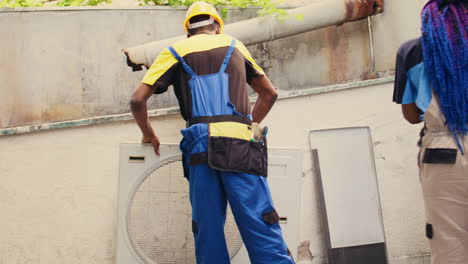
[
  {"x": 411, "y": 113},
  {"x": 140, "y": 112},
  {"x": 266, "y": 97}
]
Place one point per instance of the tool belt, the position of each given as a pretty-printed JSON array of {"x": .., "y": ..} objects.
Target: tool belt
[
  {"x": 218, "y": 118},
  {"x": 232, "y": 146}
]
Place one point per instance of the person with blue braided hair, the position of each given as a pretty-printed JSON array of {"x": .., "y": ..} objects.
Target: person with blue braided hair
[{"x": 431, "y": 84}]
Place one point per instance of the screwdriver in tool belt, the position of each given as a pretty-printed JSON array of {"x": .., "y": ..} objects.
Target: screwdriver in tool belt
[{"x": 264, "y": 133}]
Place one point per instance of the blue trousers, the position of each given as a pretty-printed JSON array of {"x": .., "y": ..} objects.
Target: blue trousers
[{"x": 250, "y": 200}]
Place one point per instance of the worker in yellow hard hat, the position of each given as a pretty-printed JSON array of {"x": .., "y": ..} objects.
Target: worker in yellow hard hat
[
  {"x": 224, "y": 151},
  {"x": 202, "y": 8}
]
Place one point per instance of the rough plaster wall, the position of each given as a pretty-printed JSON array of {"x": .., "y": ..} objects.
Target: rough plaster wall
[
  {"x": 395, "y": 154},
  {"x": 68, "y": 65},
  {"x": 58, "y": 192},
  {"x": 58, "y": 188},
  {"x": 62, "y": 65},
  {"x": 335, "y": 54},
  {"x": 398, "y": 23}
]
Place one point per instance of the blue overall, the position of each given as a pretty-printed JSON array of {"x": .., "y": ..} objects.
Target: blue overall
[{"x": 210, "y": 189}]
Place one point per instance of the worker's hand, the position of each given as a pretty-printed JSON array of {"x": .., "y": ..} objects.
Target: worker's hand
[{"x": 154, "y": 140}]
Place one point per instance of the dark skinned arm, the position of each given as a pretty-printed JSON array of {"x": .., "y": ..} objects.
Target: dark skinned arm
[
  {"x": 140, "y": 113},
  {"x": 411, "y": 113},
  {"x": 267, "y": 96}
]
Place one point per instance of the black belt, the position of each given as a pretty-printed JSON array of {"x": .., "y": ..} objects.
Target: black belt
[{"x": 219, "y": 118}]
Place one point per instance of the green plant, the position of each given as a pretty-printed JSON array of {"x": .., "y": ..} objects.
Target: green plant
[
  {"x": 20, "y": 3},
  {"x": 266, "y": 7},
  {"x": 39, "y": 3}
]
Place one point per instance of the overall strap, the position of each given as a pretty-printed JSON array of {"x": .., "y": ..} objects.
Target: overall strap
[
  {"x": 181, "y": 60},
  {"x": 228, "y": 56}
]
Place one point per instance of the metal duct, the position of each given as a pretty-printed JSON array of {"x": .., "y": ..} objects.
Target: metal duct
[{"x": 316, "y": 15}]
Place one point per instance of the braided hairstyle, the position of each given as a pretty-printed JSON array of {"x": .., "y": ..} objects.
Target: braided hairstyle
[{"x": 445, "y": 52}]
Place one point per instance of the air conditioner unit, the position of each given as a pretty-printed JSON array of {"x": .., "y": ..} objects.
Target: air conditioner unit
[{"x": 154, "y": 214}]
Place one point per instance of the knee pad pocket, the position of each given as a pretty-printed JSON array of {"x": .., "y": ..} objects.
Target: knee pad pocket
[
  {"x": 271, "y": 217},
  {"x": 194, "y": 227}
]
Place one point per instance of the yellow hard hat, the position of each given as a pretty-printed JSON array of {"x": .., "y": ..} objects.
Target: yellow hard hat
[{"x": 202, "y": 8}]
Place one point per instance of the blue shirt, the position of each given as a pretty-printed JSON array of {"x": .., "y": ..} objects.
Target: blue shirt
[{"x": 412, "y": 84}]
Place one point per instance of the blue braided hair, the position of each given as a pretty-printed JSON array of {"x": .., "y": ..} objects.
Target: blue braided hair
[{"x": 445, "y": 52}]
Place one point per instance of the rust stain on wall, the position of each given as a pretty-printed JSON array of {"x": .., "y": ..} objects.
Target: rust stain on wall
[
  {"x": 10, "y": 76},
  {"x": 337, "y": 46},
  {"x": 22, "y": 114},
  {"x": 63, "y": 112},
  {"x": 311, "y": 59}
]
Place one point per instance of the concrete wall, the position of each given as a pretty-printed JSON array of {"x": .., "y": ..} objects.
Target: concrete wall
[
  {"x": 394, "y": 147},
  {"x": 58, "y": 193},
  {"x": 58, "y": 188},
  {"x": 67, "y": 64},
  {"x": 63, "y": 65},
  {"x": 313, "y": 59},
  {"x": 398, "y": 23}
]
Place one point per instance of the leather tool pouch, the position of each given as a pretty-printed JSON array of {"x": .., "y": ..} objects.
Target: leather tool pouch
[
  {"x": 230, "y": 149},
  {"x": 440, "y": 156}
]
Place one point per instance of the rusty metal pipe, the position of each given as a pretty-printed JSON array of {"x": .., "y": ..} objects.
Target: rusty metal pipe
[
  {"x": 319, "y": 14},
  {"x": 360, "y": 9}
]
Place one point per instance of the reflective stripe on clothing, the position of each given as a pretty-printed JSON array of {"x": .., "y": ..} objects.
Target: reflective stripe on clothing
[{"x": 231, "y": 130}]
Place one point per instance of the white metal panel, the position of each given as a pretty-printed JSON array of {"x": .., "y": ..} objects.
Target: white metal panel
[
  {"x": 129, "y": 175},
  {"x": 284, "y": 180},
  {"x": 285, "y": 171},
  {"x": 285, "y": 174},
  {"x": 349, "y": 184}
]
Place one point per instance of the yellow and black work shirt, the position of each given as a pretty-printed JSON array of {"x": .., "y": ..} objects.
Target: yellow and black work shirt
[{"x": 204, "y": 53}]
